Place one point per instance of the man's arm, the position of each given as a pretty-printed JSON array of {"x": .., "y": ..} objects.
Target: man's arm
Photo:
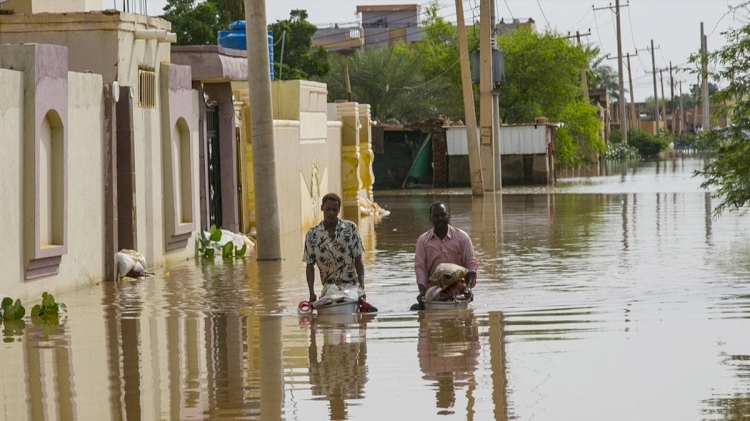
[
  {"x": 420, "y": 265},
  {"x": 310, "y": 275},
  {"x": 360, "y": 267},
  {"x": 470, "y": 261}
]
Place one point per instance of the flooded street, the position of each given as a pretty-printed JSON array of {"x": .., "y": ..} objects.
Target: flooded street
[{"x": 608, "y": 298}]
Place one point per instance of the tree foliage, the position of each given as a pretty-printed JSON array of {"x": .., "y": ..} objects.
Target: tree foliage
[
  {"x": 542, "y": 74},
  {"x": 194, "y": 24},
  {"x": 603, "y": 76},
  {"x": 542, "y": 78},
  {"x": 390, "y": 80},
  {"x": 729, "y": 173},
  {"x": 294, "y": 56}
]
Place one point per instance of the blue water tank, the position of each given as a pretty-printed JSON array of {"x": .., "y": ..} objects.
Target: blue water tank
[{"x": 236, "y": 39}]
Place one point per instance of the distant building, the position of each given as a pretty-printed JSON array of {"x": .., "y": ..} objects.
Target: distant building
[
  {"x": 380, "y": 25},
  {"x": 504, "y": 27}
]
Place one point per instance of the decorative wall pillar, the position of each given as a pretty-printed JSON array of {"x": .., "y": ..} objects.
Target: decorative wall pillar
[
  {"x": 175, "y": 89},
  {"x": 365, "y": 150},
  {"x": 350, "y": 159},
  {"x": 45, "y": 164}
]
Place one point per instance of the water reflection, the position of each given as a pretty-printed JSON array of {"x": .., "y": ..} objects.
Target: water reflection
[
  {"x": 594, "y": 294},
  {"x": 448, "y": 348},
  {"x": 338, "y": 368}
]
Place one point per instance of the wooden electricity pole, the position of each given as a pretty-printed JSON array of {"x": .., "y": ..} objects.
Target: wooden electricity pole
[
  {"x": 664, "y": 107},
  {"x": 656, "y": 94},
  {"x": 584, "y": 82},
  {"x": 475, "y": 168},
  {"x": 623, "y": 111},
  {"x": 704, "y": 75},
  {"x": 633, "y": 117},
  {"x": 671, "y": 95},
  {"x": 486, "y": 142},
  {"x": 682, "y": 112}
]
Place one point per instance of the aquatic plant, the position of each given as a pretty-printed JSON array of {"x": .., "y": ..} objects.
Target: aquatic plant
[
  {"x": 48, "y": 309},
  {"x": 11, "y": 310},
  {"x": 207, "y": 246}
]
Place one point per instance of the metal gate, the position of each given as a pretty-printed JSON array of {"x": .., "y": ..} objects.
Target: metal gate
[{"x": 214, "y": 166}]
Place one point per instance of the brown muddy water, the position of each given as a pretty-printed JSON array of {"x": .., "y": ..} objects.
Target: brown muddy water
[{"x": 608, "y": 298}]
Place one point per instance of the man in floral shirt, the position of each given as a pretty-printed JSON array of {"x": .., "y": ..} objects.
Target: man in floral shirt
[{"x": 335, "y": 247}]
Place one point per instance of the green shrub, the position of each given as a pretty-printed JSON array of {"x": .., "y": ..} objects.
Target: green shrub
[
  {"x": 620, "y": 152},
  {"x": 648, "y": 146}
]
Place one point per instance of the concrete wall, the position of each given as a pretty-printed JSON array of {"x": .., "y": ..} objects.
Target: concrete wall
[
  {"x": 308, "y": 155},
  {"x": 100, "y": 42},
  {"x": 56, "y": 6},
  {"x": 83, "y": 263}
]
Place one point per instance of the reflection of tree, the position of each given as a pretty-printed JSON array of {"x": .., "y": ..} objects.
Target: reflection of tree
[
  {"x": 341, "y": 372},
  {"x": 448, "y": 349}
]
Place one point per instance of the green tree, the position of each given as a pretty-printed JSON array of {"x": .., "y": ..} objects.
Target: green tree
[
  {"x": 603, "y": 76},
  {"x": 294, "y": 56},
  {"x": 729, "y": 173},
  {"x": 228, "y": 11},
  {"x": 194, "y": 24},
  {"x": 542, "y": 74},
  {"x": 390, "y": 80},
  {"x": 577, "y": 142}
]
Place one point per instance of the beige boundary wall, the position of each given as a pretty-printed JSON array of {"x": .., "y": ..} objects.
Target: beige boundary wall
[
  {"x": 52, "y": 172},
  {"x": 83, "y": 263},
  {"x": 308, "y": 155}
]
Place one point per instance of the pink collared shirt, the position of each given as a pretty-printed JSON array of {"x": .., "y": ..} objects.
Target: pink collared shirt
[{"x": 455, "y": 248}]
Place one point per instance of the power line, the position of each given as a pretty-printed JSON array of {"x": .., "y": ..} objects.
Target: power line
[
  {"x": 632, "y": 37},
  {"x": 511, "y": 13},
  {"x": 596, "y": 24},
  {"x": 542, "y": 10}
]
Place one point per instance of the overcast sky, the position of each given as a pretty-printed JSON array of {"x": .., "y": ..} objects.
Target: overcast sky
[{"x": 674, "y": 25}]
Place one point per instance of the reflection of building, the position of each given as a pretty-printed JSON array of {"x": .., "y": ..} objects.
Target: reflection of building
[
  {"x": 448, "y": 348},
  {"x": 339, "y": 369}
]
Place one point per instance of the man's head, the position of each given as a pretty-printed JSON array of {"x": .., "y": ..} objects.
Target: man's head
[
  {"x": 440, "y": 216},
  {"x": 330, "y": 205}
]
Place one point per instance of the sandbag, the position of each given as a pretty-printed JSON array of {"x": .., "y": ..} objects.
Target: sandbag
[
  {"x": 130, "y": 263},
  {"x": 447, "y": 274}
]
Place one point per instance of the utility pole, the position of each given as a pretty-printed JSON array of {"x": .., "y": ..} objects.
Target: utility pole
[
  {"x": 664, "y": 108},
  {"x": 682, "y": 113},
  {"x": 261, "y": 120},
  {"x": 656, "y": 95},
  {"x": 671, "y": 95},
  {"x": 633, "y": 117},
  {"x": 704, "y": 76},
  {"x": 621, "y": 102},
  {"x": 485, "y": 95},
  {"x": 623, "y": 111},
  {"x": 695, "y": 105},
  {"x": 475, "y": 168},
  {"x": 584, "y": 82}
]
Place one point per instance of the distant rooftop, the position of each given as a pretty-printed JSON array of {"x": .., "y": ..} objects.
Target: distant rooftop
[{"x": 388, "y": 8}]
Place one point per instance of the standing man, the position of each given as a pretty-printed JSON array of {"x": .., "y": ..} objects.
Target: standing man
[
  {"x": 334, "y": 245},
  {"x": 444, "y": 243}
]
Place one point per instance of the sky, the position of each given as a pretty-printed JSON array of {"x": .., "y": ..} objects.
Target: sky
[{"x": 674, "y": 25}]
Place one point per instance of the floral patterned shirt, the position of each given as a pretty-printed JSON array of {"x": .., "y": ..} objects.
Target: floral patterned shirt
[{"x": 334, "y": 257}]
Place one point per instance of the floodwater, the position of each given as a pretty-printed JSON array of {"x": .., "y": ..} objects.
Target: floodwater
[{"x": 610, "y": 298}]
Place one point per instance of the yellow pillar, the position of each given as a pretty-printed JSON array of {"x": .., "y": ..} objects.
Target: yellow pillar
[
  {"x": 246, "y": 150},
  {"x": 350, "y": 159},
  {"x": 365, "y": 150}
]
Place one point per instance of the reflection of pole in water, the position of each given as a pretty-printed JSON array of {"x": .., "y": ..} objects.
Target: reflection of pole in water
[
  {"x": 497, "y": 363},
  {"x": 271, "y": 372},
  {"x": 625, "y": 221},
  {"x": 709, "y": 210}
]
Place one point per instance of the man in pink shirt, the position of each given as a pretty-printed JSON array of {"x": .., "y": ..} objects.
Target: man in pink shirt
[{"x": 444, "y": 243}]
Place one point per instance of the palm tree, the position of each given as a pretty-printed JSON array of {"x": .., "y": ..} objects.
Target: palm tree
[
  {"x": 603, "y": 76},
  {"x": 390, "y": 80}
]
